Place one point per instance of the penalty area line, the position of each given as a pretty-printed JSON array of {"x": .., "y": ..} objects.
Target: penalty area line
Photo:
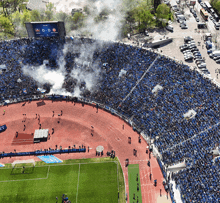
[
  {"x": 78, "y": 183},
  {"x": 5, "y": 181}
]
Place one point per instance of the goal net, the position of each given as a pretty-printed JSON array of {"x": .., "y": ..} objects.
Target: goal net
[{"x": 23, "y": 166}]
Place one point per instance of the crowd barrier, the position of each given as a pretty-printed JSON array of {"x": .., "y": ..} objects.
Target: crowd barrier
[{"x": 38, "y": 153}]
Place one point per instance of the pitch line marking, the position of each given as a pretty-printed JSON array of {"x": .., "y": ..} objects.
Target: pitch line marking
[
  {"x": 78, "y": 184},
  {"x": 5, "y": 181}
]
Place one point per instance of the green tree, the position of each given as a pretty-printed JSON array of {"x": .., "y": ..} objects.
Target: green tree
[
  {"x": 36, "y": 16},
  {"x": 7, "y": 28},
  {"x": 217, "y": 6},
  {"x": 62, "y": 16},
  {"x": 25, "y": 17},
  {"x": 144, "y": 17},
  {"x": 49, "y": 13},
  {"x": 163, "y": 14},
  {"x": 16, "y": 18},
  {"x": 11, "y": 6},
  {"x": 77, "y": 20}
]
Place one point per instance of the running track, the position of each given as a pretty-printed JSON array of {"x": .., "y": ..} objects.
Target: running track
[{"x": 75, "y": 128}]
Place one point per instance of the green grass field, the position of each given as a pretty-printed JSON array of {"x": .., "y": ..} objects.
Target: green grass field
[
  {"x": 82, "y": 180},
  {"x": 133, "y": 170}
]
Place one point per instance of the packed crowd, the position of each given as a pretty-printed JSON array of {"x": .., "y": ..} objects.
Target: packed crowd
[{"x": 158, "y": 114}]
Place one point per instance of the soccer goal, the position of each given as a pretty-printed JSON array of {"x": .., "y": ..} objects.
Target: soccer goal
[{"x": 23, "y": 166}]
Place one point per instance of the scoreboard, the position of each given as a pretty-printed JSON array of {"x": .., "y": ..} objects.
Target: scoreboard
[{"x": 46, "y": 29}]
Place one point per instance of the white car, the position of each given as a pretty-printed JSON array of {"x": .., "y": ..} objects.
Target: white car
[{"x": 169, "y": 27}]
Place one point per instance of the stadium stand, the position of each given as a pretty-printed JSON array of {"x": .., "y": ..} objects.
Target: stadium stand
[{"x": 158, "y": 115}]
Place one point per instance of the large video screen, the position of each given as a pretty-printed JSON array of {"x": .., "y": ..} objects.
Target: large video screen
[{"x": 46, "y": 30}]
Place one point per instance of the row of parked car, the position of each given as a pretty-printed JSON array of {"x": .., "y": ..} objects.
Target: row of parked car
[
  {"x": 194, "y": 14},
  {"x": 180, "y": 17},
  {"x": 211, "y": 50},
  {"x": 213, "y": 15},
  {"x": 191, "y": 52}
]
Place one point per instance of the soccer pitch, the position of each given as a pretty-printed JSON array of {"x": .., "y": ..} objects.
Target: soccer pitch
[
  {"x": 134, "y": 179},
  {"x": 84, "y": 180}
]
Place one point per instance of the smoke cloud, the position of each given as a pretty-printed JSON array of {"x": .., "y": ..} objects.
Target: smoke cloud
[{"x": 85, "y": 70}]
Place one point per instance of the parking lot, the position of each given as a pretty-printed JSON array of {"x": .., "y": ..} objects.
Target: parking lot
[{"x": 178, "y": 35}]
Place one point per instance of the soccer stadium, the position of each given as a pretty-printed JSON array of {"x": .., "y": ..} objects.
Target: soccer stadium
[{"x": 85, "y": 120}]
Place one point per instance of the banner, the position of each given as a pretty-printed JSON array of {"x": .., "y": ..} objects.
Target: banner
[{"x": 3, "y": 128}]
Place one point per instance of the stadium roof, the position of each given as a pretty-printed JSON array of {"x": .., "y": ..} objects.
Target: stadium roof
[{"x": 37, "y": 4}]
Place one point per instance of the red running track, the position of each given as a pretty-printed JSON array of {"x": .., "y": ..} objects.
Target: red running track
[{"x": 75, "y": 129}]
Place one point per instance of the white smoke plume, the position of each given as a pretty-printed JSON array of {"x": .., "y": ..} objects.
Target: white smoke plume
[
  {"x": 43, "y": 75},
  {"x": 107, "y": 30}
]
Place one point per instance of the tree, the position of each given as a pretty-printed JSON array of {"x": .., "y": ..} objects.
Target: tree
[
  {"x": 130, "y": 19},
  {"x": 163, "y": 14},
  {"x": 77, "y": 19},
  {"x": 15, "y": 4},
  {"x": 36, "y": 16},
  {"x": 6, "y": 26},
  {"x": 217, "y": 6},
  {"x": 25, "y": 17},
  {"x": 11, "y": 6},
  {"x": 62, "y": 16},
  {"x": 144, "y": 17},
  {"x": 49, "y": 13}
]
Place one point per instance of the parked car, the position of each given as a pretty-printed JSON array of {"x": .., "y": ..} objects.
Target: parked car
[
  {"x": 213, "y": 20},
  {"x": 202, "y": 65},
  {"x": 191, "y": 41},
  {"x": 188, "y": 38},
  {"x": 191, "y": 10},
  {"x": 205, "y": 71},
  {"x": 202, "y": 5},
  {"x": 170, "y": 28},
  {"x": 210, "y": 17},
  {"x": 184, "y": 27},
  {"x": 184, "y": 48},
  {"x": 192, "y": 44},
  {"x": 188, "y": 58},
  {"x": 184, "y": 45},
  {"x": 178, "y": 1},
  {"x": 211, "y": 56},
  {"x": 177, "y": 13},
  {"x": 216, "y": 58},
  {"x": 182, "y": 23},
  {"x": 216, "y": 25},
  {"x": 200, "y": 62},
  {"x": 192, "y": 47},
  {"x": 194, "y": 50},
  {"x": 197, "y": 57},
  {"x": 217, "y": 61},
  {"x": 187, "y": 51}
]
